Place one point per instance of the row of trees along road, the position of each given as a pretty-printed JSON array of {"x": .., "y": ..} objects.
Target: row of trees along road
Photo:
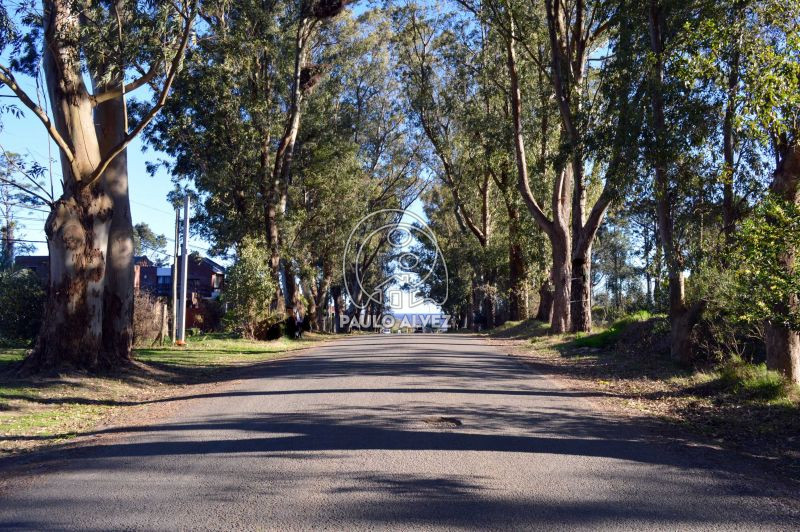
[{"x": 567, "y": 152}]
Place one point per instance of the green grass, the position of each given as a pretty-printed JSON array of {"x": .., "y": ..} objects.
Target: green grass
[
  {"x": 40, "y": 410},
  {"x": 609, "y": 336},
  {"x": 10, "y": 356},
  {"x": 519, "y": 329},
  {"x": 754, "y": 381},
  {"x": 220, "y": 350}
]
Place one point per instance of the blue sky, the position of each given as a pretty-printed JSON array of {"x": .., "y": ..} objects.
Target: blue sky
[{"x": 27, "y": 136}]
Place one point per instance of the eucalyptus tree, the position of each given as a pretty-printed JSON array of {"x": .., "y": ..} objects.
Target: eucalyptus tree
[
  {"x": 444, "y": 65},
  {"x": 237, "y": 135},
  {"x": 580, "y": 48},
  {"x": 453, "y": 280},
  {"x": 355, "y": 157},
  {"x": 246, "y": 84},
  {"x": 770, "y": 62},
  {"x": 88, "y": 316},
  {"x": 681, "y": 124}
]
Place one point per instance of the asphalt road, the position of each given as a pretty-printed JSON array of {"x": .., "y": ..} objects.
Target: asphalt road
[{"x": 394, "y": 432}]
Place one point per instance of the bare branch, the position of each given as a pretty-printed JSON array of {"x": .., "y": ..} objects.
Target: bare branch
[
  {"x": 28, "y": 176},
  {"x": 116, "y": 92},
  {"x": 162, "y": 99},
  {"x": 25, "y": 190},
  {"x": 7, "y": 78}
]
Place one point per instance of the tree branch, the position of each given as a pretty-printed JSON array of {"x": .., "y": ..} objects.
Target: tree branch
[
  {"x": 519, "y": 143},
  {"x": 7, "y": 78},
  {"x": 116, "y": 92},
  {"x": 162, "y": 99}
]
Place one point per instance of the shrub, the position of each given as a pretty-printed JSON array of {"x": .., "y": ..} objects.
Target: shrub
[
  {"x": 753, "y": 381},
  {"x": 721, "y": 333},
  {"x": 147, "y": 316},
  {"x": 249, "y": 290},
  {"x": 21, "y": 305},
  {"x": 766, "y": 236}
]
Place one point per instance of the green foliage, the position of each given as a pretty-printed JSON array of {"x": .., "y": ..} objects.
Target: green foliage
[
  {"x": 753, "y": 381},
  {"x": 610, "y": 336},
  {"x": 766, "y": 275},
  {"x": 21, "y": 303},
  {"x": 249, "y": 288},
  {"x": 146, "y": 241}
]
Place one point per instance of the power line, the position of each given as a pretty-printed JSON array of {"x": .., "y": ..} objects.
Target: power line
[
  {"x": 151, "y": 207},
  {"x": 26, "y": 241},
  {"x": 23, "y": 218}
]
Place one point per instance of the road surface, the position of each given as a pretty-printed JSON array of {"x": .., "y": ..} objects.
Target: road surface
[{"x": 393, "y": 432}]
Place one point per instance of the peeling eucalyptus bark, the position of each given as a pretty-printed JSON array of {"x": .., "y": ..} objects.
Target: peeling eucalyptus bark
[
  {"x": 89, "y": 307},
  {"x": 79, "y": 223},
  {"x": 110, "y": 118}
]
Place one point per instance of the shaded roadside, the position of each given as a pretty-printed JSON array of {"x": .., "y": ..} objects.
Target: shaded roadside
[
  {"x": 734, "y": 407},
  {"x": 41, "y": 411}
]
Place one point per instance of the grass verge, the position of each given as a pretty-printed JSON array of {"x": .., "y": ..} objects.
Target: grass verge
[{"x": 38, "y": 411}]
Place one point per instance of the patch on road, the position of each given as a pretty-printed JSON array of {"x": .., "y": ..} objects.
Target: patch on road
[{"x": 442, "y": 422}]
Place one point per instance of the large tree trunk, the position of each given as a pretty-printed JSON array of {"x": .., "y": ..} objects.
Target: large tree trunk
[
  {"x": 322, "y": 299},
  {"x": 270, "y": 195},
  {"x": 545, "y": 309},
  {"x": 489, "y": 311},
  {"x": 72, "y": 330},
  {"x": 336, "y": 294},
  {"x": 79, "y": 222},
  {"x": 783, "y": 350},
  {"x": 782, "y": 343},
  {"x": 111, "y": 126},
  {"x": 278, "y": 191},
  {"x": 581, "y": 284},
  {"x": 581, "y": 293},
  {"x": 556, "y": 229},
  {"x": 89, "y": 309},
  {"x": 562, "y": 280}
]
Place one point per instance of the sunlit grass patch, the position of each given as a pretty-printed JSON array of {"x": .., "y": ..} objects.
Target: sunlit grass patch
[
  {"x": 755, "y": 381},
  {"x": 519, "y": 329},
  {"x": 216, "y": 349},
  {"x": 38, "y": 410},
  {"x": 609, "y": 336}
]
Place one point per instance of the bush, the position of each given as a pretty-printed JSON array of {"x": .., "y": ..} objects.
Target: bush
[
  {"x": 722, "y": 334},
  {"x": 21, "y": 306},
  {"x": 753, "y": 381},
  {"x": 249, "y": 291},
  {"x": 764, "y": 240},
  {"x": 213, "y": 312}
]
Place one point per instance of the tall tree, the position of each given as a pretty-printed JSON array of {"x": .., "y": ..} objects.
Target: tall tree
[
  {"x": 771, "y": 64},
  {"x": 88, "y": 316}
]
